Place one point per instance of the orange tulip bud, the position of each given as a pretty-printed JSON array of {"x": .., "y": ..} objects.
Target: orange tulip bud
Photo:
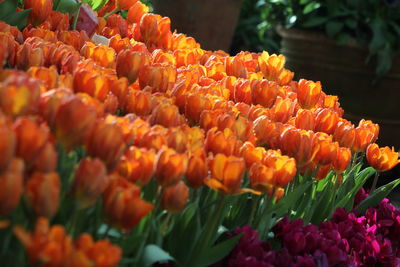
[
  {"x": 40, "y": 10},
  {"x": 308, "y": 93},
  {"x": 89, "y": 182},
  {"x": 298, "y": 144},
  {"x": 345, "y": 134},
  {"x": 101, "y": 54},
  {"x": 122, "y": 204},
  {"x": 226, "y": 174},
  {"x": 305, "y": 119},
  {"x": 167, "y": 115},
  {"x": 264, "y": 92},
  {"x": 31, "y": 138},
  {"x": 284, "y": 167},
  {"x": 373, "y": 127},
  {"x": 242, "y": 91},
  {"x": 326, "y": 149},
  {"x": 251, "y": 154},
  {"x": 282, "y": 110},
  {"x": 382, "y": 158},
  {"x": 46, "y": 246},
  {"x": 137, "y": 165},
  {"x": 42, "y": 192},
  {"x": 152, "y": 139},
  {"x": 29, "y": 56},
  {"x": 197, "y": 169},
  {"x": 220, "y": 141},
  {"x": 267, "y": 132},
  {"x": 88, "y": 253},
  {"x": 195, "y": 104},
  {"x": 91, "y": 83},
  {"x": 363, "y": 137},
  {"x": 74, "y": 121},
  {"x": 262, "y": 178},
  {"x": 342, "y": 160},
  {"x": 47, "y": 76},
  {"x": 129, "y": 63},
  {"x": 46, "y": 160},
  {"x": 271, "y": 65},
  {"x": 326, "y": 120},
  {"x": 11, "y": 186},
  {"x": 208, "y": 118},
  {"x": 171, "y": 167},
  {"x": 174, "y": 198},
  {"x": 7, "y": 144},
  {"x": 160, "y": 77},
  {"x": 136, "y": 11},
  {"x": 106, "y": 141},
  {"x": 178, "y": 139},
  {"x": 19, "y": 94}
]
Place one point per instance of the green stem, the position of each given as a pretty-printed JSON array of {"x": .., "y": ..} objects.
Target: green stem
[
  {"x": 254, "y": 207},
  {"x": 209, "y": 231},
  {"x": 115, "y": 10},
  {"x": 76, "y": 16},
  {"x": 374, "y": 183}
]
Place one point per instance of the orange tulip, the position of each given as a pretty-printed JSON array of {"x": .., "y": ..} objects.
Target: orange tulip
[
  {"x": 125, "y": 4},
  {"x": 298, "y": 144},
  {"x": 89, "y": 182},
  {"x": 11, "y": 186},
  {"x": 323, "y": 171},
  {"x": 268, "y": 132},
  {"x": 195, "y": 104},
  {"x": 122, "y": 204},
  {"x": 119, "y": 44},
  {"x": 373, "y": 127},
  {"x": 178, "y": 139},
  {"x": 171, "y": 166},
  {"x": 282, "y": 110},
  {"x": 42, "y": 192},
  {"x": 73, "y": 38},
  {"x": 284, "y": 167},
  {"x": 46, "y": 159},
  {"x": 91, "y": 83},
  {"x": 152, "y": 139},
  {"x": 382, "y": 158},
  {"x": 363, "y": 137},
  {"x": 29, "y": 56},
  {"x": 308, "y": 93},
  {"x": 7, "y": 143},
  {"x": 159, "y": 77},
  {"x": 342, "y": 160},
  {"x": 345, "y": 134},
  {"x": 220, "y": 141},
  {"x": 251, "y": 154},
  {"x": 175, "y": 197},
  {"x": 208, "y": 118},
  {"x": 271, "y": 65},
  {"x": 167, "y": 115},
  {"x": 264, "y": 92},
  {"x": 40, "y": 10},
  {"x": 46, "y": 246},
  {"x": 197, "y": 169},
  {"x": 106, "y": 141},
  {"x": 326, "y": 120},
  {"x": 137, "y": 165},
  {"x": 326, "y": 149},
  {"x": 226, "y": 174},
  {"x": 262, "y": 178},
  {"x": 129, "y": 63},
  {"x": 47, "y": 76},
  {"x": 88, "y": 253},
  {"x": 74, "y": 121},
  {"x": 136, "y": 11},
  {"x": 19, "y": 94},
  {"x": 305, "y": 119},
  {"x": 31, "y": 138}
]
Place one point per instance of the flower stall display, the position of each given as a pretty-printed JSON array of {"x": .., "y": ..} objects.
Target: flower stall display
[{"x": 126, "y": 144}]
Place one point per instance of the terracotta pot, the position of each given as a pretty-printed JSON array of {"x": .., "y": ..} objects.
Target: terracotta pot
[
  {"x": 211, "y": 22},
  {"x": 343, "y": 72}
]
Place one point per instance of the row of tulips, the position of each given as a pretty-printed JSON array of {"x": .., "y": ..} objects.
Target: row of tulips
[{"x": 124, "y": 130}]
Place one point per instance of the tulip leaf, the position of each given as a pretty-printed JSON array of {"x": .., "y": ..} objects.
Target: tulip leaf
[
  {"x": 346, "y": 200},
  {"x": 96, "y": 4},
  {"x": 373, "y": 199},
  {"x": 18, "y": 19},
  {"x": 7, "y": 8},
  {"x": 219, "y": 251},
  {"x": 153, "y": 254}
]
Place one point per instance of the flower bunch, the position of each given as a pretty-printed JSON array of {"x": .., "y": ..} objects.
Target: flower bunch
[{"x": 125, "y": 130}]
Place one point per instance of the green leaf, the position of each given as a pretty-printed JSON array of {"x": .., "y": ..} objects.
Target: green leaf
[
  {"x": 311, "y": 7},
  {"x": 153, "y": 254},
  {"x": 347, "y": 200},
  {"x": 378, "y": 41},
  {"x": 351, "y": 23},
  {"x": 18, "y": 19},
  {"x": 7, "y": 8},
  {"x": 333, "y": 27},
  {"x": 373, "y": 199},
  {"x": 219, "y": 251},
  {"x": 96, "y": 4}
]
